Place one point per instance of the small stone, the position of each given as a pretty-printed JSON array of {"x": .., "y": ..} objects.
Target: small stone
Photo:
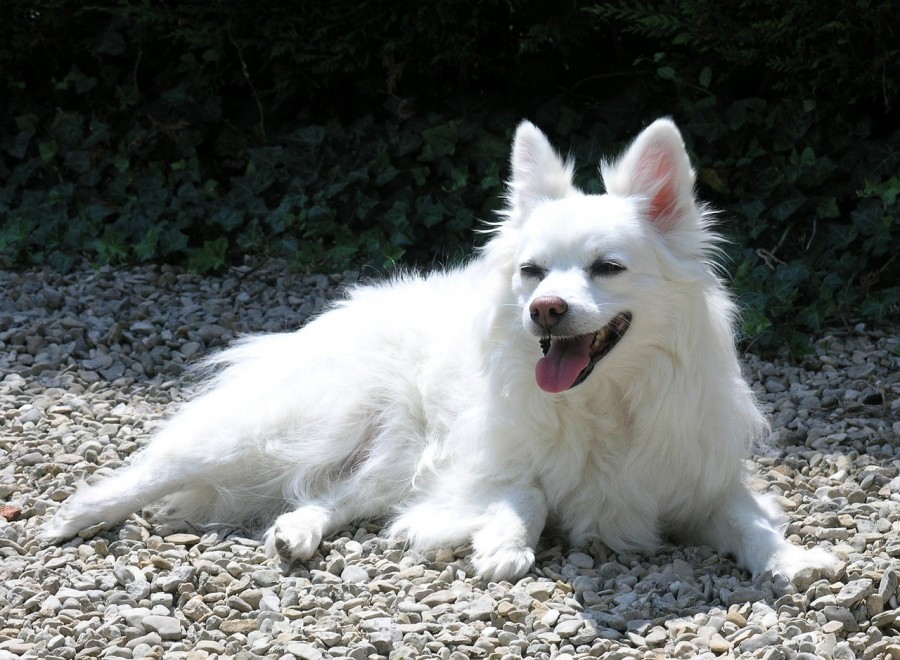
[
  {"x": 268, "y": 601},
  {"x": 266, "y": 578},
  {"x": 842, "y": 614},
  {"x": 355, "y": 574},
  {"x": 735, "y": 617},
  {"x": 210, "y": 646},
  {"x": 550, "y": 618},
  {"x": 150, "y": 639},
  {"x": 444, "y": 556},
  {"x": 569, "y": 628},
  {"x": 442, "y": 597},
  {"x": 805, "y": 577},
  {"x": 832, "y": 627},
  {"x": 195, "y": 609},
  {"x": 540, "y": 591},
  {"x": 189, "y": 349},
  {"x": 183, "y": 539},
  {"x": 853, "y": 592},
  {"x": 580, "y": 560},
  {"x": 167, "y": 627},
  {"x": 891, "y": 618},
  {"x": 682, "y": 569},
  {"x": 887, "y": 587},
  {"x": 31, "y": 458},
  {"x": 303, "y": 651},
  {"x": 757, "y": 642},
  {"x": 685, "y": 649},
  {"x": 584, "y": 583},
  {"x": 719, "y": 645},
  {"x": 176, "y": 577},
  {"x": 747, "y": 595},
  {"x": 232, "y": 626},
  {"x": 656, "y": 638},
  {"x": 480, "y": 609}
]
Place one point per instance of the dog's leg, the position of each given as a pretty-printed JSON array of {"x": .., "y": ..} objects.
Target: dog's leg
[
  {"x": 749, "y": 526},
  {"x": 113, "y": 498},
  {"x": 195, "y": 449},
  {"x": 504, "y": 544}
]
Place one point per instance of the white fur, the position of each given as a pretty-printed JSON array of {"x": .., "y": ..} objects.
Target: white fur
[{"x": 416, "y": 399}]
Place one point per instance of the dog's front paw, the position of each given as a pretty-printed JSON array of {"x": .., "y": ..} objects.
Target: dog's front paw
[
  {"x": 504, "y": 563},
  {"x": 501, "y": 558},
  {"x": 296, "y": 534},
  {"x": 790, "y": 561}
]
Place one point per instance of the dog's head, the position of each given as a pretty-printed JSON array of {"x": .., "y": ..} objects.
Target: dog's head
[{"x": 591, "y": 271}]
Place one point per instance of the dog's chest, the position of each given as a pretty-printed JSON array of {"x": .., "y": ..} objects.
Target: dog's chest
[{"x": 603, "y": 482}]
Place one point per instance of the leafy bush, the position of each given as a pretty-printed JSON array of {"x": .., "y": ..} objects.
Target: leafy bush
[
  {"x": 198, "y": 133},
  {"x": 797, "y": 49},
  {"x": 789, "y": 110}
]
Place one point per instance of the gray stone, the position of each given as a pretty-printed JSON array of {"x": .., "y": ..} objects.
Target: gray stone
[
  {"x": 177, "y": 576},
  {"x": 303, "y": 651},
  {"x": 569, "y": 628},
  {"x": 757, "y": 642},
  {"x": 853, "y": 592},
  {"x": 167, "y": 627},
  {"x": 355, "y": 574}
]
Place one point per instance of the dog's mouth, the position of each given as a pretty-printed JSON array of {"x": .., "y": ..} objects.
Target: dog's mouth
[{"x": 568, "y": 361}]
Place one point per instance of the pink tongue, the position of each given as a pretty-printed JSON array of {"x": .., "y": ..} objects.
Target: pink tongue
[{"x": 558, "y": 370}]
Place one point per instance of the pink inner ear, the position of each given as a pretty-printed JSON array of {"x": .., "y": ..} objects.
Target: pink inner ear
[{"x": 656, "y": 170}]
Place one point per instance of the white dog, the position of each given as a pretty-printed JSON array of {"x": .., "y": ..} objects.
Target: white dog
[{"x": 580, "y": 370}]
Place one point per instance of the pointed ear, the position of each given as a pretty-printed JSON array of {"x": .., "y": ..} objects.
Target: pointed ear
[
  {"x": 656, "y": 167},
  {"x": 538, "y": 173}
]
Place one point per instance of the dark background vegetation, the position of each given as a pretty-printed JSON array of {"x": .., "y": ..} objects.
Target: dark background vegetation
[{"x": 377, "y": 132}]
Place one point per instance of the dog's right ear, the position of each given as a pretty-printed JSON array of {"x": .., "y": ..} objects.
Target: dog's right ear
[{"x": 538, "y": 173}]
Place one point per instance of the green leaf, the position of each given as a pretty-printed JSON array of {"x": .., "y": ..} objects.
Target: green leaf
[
  {"x": 711, "y": 178},
  {"x": 808, "y": 157},
  {"x": 705, "y": 77},
  {"x": 78, "y": 161},
  {"x": 827, "y": 208},
  {"x": 27, "y": 123},
  {"x": 210, "y": 257},
  {"x": 48, "y": 150},
  {"x": 788, "y": 207},
  {"x": 440, "y": 141},
  {"x": 666, "y": 73},
  {"x": 145, "y": 249}
]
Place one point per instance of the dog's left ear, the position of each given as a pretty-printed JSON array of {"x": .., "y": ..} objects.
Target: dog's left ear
[
  {"x": 538, "y": 173},
  {"x": 656, "y": 168}
]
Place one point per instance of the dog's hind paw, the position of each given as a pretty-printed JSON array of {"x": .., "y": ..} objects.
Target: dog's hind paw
[
  {"x": 296, "y": 534},
  {"x": 63, "y": 526}
]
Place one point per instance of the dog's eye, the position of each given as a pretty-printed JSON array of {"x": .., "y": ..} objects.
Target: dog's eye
[
  {"x": 605, "y": 268},
  {"x": 532, "y": 270}
]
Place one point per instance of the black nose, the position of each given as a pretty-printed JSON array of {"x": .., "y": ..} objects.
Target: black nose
[{"x": 547, "y": 311}]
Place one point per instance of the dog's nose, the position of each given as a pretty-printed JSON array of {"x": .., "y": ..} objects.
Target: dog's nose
[{"x": 547, "y": 311}]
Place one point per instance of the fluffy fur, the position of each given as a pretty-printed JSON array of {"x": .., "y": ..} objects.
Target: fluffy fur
[{"x": 426, "y": 400}]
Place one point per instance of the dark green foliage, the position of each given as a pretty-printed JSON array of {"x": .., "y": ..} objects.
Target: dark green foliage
[
  {"x": 795, "y": 48},
  {"x": 349, "y": 133},
  {"x": 788, "y": 108}
]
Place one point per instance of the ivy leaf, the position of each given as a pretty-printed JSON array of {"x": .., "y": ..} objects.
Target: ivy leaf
[
  {"x": 705, "y": 77},
  {"x": 48, "y": 150}
]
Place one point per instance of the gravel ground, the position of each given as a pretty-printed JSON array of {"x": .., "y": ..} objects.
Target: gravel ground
[{"x": 89, "y": 361}]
